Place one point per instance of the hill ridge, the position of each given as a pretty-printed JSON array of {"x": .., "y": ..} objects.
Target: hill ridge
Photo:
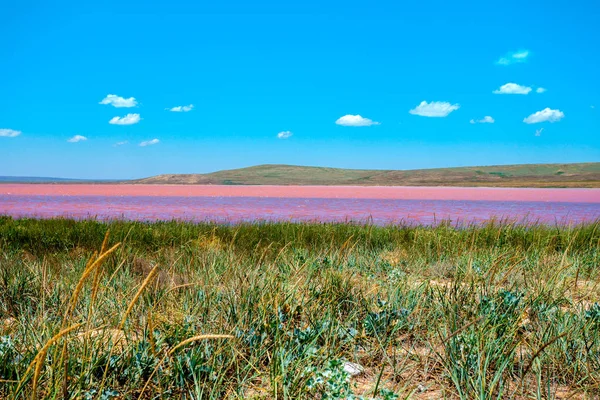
[{"x": 515, "y": 175}]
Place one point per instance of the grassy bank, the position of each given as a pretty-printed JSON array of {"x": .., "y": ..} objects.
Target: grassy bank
[{"x": 271, "y": 311}]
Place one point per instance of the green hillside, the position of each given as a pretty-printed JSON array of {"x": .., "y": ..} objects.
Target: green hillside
[{"x": 525, "y": 175}]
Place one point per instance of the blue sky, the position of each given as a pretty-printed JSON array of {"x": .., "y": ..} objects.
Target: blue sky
[{"x": 253, "y": 71}]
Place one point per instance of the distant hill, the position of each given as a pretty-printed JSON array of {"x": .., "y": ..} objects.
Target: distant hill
[
  {"x": 525, "y": 175},
  {"x": 34, "y": 179}
]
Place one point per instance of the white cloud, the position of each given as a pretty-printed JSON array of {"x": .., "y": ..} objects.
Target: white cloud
[
  {"x": 9, "y": 133},
  {"x": 540, "y": 90},
  {"x": 129, "y": 119},
  {"x": 512, "y": 88},
  {"x": 124, "y": 142},
  {"x": 514, "y": 57},
  {"x": 77, "y": 138},
  {"x": 118, "y": 101},
  {"x": 434, "y": 109},
  {"x": 181, "y": 108},
  {"x": 538, "y": 132},
  {"x": 149, "y": 142},
  {"x": 546, "y": 115},
  {"x": 355, "y": 120},
  {"x": 485, "y": 120},
  {"x": 520, "y": 55},
  {"x": 592, "y": 106},
  {"x": 284, "y": 135}
]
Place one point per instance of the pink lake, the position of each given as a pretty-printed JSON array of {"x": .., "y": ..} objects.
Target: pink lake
[{"x": 381, "y": 205}]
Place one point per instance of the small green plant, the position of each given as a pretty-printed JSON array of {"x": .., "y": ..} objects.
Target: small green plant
[
  {"x": 9, "y": 358},
  {"x": 593, "y": 314},
  {"x": 329, "y": 383},
  {"x": 107, "y": 394}
]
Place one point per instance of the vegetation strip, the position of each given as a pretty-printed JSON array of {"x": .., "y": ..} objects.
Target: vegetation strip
[{"x": 282, "y": 310}]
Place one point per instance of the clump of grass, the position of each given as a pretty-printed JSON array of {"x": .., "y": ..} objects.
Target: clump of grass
[{"x": 266, "y": 311}]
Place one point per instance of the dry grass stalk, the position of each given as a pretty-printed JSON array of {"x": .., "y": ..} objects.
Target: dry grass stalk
[
  {"x": 138, "y": 294},
  {"x": 89, "y": 269},
  {"x": 178, "y": 346},
  {"x": 38, "y": 360}
]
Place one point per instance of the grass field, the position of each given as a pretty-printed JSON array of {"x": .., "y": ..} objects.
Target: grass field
[
  {"x": 527, "y": 175},
  {"x": 276, "y": 311}
]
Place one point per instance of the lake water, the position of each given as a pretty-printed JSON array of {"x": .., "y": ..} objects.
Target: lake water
[{"x": 381, "y": 205}]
